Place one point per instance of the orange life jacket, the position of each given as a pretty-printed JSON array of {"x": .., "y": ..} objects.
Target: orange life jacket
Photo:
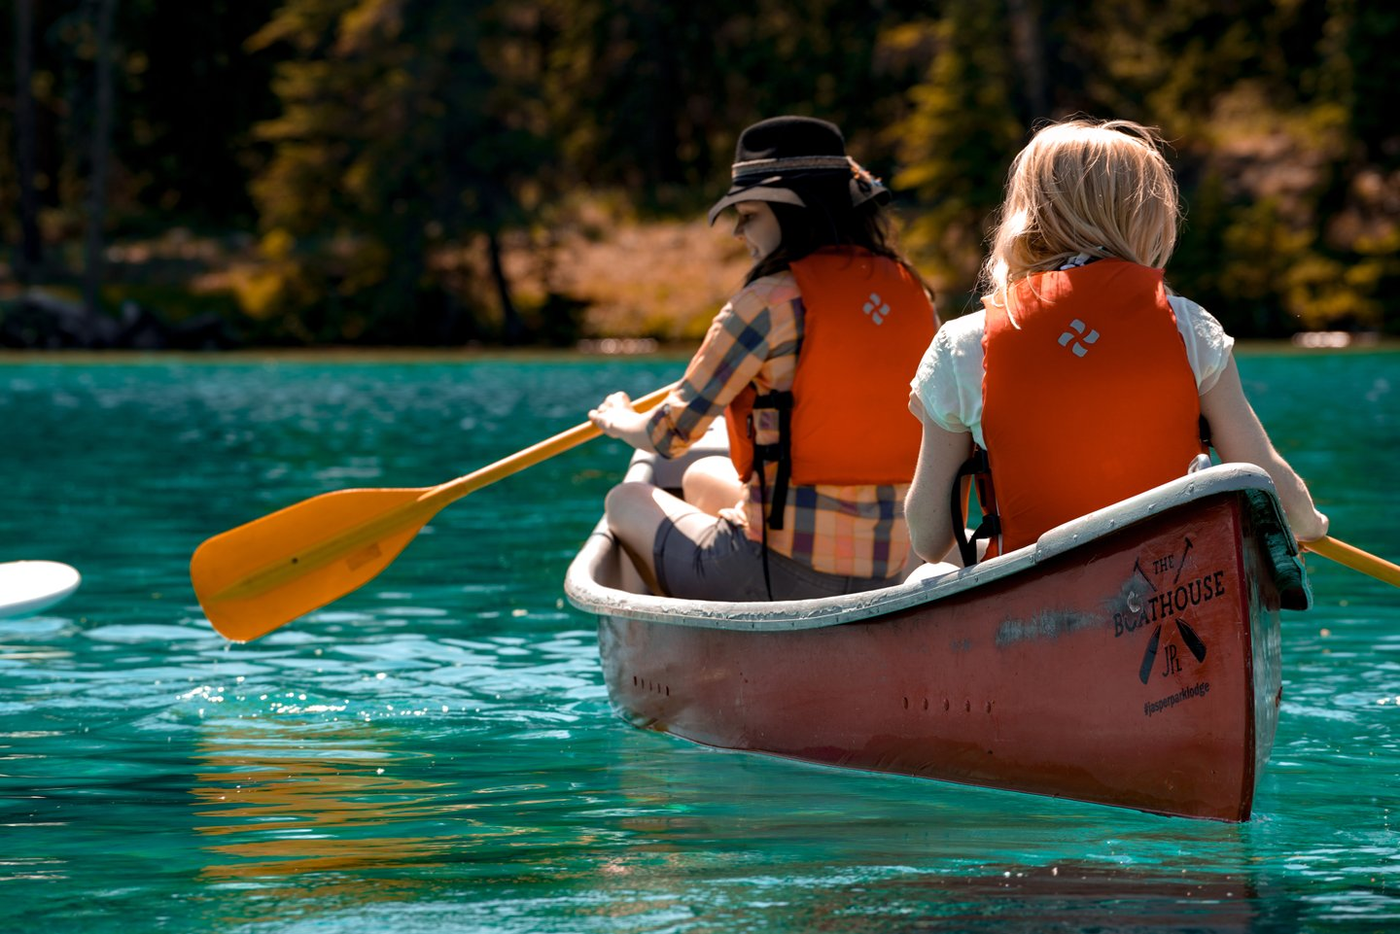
[
  {"x": 1087, "y": 396},
  {"x": 866, "y": 323}
]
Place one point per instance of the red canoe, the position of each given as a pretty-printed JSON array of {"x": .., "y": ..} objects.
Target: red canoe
[{"x": 1129, "y": 658}]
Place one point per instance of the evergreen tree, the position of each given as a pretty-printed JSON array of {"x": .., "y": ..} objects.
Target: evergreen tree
[
  {"x": 398, "y": 155},
  {"x": 961, "y": 134},
  {"x": 396, "y": 141}
]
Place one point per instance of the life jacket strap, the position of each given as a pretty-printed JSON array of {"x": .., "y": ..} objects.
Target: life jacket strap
[
  {"x": 979, "y": 469},
  {"x": 779, "y": 453},
  {"x": 763, "y": 529}
]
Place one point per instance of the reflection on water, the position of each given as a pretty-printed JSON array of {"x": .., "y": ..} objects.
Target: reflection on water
[
  {"x": 307, "y": 801},
  {"x": 1069, "y": 896},
  {"x": 436, "y": 752}
]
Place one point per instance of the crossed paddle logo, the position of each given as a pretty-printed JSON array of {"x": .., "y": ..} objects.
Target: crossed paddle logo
[{"x": 1189, "y": 636}]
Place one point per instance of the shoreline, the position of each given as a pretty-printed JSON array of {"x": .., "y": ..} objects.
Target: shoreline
[{"x": 673, "y": 350}]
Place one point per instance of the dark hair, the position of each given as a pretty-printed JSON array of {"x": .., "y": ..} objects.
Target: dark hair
[{"x": 827, "y": 221}]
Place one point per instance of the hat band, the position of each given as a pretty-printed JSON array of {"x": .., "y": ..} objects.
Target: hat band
[{"x": 790, "y": 164}]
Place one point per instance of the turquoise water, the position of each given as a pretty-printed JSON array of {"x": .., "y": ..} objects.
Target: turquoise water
[{"x": 436, "y": 752}]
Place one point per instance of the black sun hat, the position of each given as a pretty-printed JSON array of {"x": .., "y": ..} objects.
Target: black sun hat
[{"x": 776, "y": 154}]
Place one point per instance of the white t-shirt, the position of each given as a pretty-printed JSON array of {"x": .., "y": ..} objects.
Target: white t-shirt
[{"x": 949, "y": 378}]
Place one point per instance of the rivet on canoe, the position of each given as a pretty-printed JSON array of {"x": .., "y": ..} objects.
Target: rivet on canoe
[
  {"x": 967, "y": 706},
  {"x": 989, "y": 706},
  {"x": 906, "y": 703},
  {"x": 926, "y": 703},
  {"x": 945, "y": 704}
]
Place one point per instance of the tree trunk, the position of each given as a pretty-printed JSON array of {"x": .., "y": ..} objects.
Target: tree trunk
[
  {"x": 31, "y": 249},
  {"x": 512, "y": 327},
  {"x": 1028, "y": 48},
  {"x": 101, "y": 146}
]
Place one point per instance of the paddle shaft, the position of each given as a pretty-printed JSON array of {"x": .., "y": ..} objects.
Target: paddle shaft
[
  {"x": 453, "y": 490},
  {"x": 1356, "y": 559}
]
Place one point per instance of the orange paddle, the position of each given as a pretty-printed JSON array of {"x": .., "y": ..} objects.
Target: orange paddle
[
  {"x": 256, "y": 577},
  {"x": 1356, "y": 559}
]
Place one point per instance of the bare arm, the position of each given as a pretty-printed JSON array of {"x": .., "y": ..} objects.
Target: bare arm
[
  {"x": 941, "y": 453},
  {"x": 1239, "y": 437},
  {"x": 738, "y": 344}
]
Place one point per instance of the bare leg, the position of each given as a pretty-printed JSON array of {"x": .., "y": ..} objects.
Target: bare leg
[
  {"x": 629, "y": 578},
  {"x": 950, "y": 562},
  {"x": 954, "y": 555},
  {"x": 929, "y": 571},
  {"x": 711, "y": 484},
  {"x": 634, "y": 512}
]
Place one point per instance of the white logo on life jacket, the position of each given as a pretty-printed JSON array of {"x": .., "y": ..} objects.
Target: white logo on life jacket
[
  {"x": 877, "y": 309},
  {"x": 1080, "y": 349}
]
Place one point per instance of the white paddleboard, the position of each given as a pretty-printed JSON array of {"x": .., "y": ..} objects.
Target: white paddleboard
[{"x": 26, "y": 587}]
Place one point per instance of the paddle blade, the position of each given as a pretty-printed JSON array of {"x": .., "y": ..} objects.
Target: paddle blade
[{"x": 258, "y": 576}]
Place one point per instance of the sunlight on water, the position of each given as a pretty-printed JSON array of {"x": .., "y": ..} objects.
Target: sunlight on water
[{"x": 436, "y": 752}]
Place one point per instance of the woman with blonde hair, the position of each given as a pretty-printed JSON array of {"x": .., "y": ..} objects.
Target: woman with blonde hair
[{"x": 1083, "y": 380}]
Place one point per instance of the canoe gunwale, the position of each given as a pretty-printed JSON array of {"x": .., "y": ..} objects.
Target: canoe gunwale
[{"x": 586, "y": 593}]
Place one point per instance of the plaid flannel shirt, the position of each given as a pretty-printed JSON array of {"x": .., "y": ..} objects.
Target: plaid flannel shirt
[{"x": 856, "y": 531}]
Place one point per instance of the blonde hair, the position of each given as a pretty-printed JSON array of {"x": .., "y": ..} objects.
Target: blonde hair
[{"x": 1084, "y": 186}]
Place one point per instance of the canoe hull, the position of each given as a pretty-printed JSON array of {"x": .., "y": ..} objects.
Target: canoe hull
[{"x": 1140, "y": 669}]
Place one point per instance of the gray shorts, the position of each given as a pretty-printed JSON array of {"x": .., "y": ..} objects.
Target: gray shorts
[{"x": 701, "y": 557}]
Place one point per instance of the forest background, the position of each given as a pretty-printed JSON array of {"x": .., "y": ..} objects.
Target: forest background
[{"x": 447, "y": 172}]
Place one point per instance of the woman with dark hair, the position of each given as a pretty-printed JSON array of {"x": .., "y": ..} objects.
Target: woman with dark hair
[{"x": 809, "y": 363}]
